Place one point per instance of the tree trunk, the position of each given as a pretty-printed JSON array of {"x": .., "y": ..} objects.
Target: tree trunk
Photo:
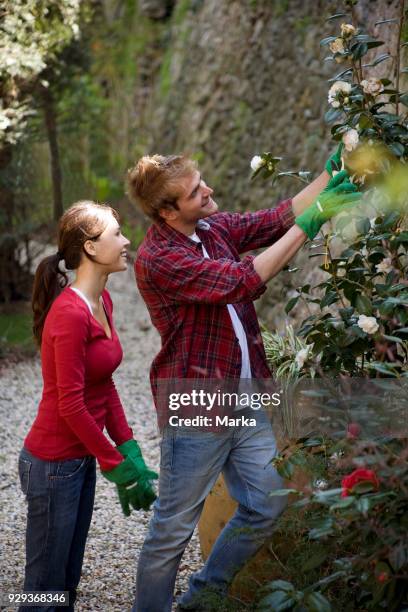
[
  {"x": 56, "y": 175},
  {"x": 15, "y": 278}
]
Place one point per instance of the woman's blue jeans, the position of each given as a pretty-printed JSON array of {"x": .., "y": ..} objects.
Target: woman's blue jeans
[
  {"x": 60, "y": 498},
  {"x": 191, "y": 462}
]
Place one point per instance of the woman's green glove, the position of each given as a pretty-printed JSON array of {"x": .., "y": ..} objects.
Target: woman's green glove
[
  {"x": 132, "y": 449},
  {"x": 333, "y": 164},
  {"x": 339, "y": 195},
  {"x": 139, "y": 496},
  {"x": 125, "y": 473}
]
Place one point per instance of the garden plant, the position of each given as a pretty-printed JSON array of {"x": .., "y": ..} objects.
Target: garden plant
[{"x": 349, "y": 525}]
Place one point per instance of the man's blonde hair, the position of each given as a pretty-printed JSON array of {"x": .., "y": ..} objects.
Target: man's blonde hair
[{"x": 154, "y": 183}]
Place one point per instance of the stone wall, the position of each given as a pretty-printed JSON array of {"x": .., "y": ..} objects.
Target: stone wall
[{"x": 233, "y": 78}]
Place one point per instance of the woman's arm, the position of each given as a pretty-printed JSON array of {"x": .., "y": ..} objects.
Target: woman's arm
[
  {"x": 69, "y": 334},
  {"x": 116, "y": 422}
]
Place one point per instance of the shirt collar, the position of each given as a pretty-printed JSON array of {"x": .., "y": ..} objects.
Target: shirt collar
[{"x": 170, "y": 234}]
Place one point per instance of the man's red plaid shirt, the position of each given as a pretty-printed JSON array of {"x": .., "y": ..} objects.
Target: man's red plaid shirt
[{"x": 187, "y": 294}]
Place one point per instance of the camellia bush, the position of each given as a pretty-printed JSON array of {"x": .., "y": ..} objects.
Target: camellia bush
[{"x": 353, "y": 514}]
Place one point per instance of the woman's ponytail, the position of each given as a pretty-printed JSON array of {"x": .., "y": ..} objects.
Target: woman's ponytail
[{"x": 49, "y": 280}]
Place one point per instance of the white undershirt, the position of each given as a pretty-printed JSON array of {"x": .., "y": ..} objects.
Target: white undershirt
[
  {"x": 236, "y": 324},
  {"x": 87, "y": 302}
]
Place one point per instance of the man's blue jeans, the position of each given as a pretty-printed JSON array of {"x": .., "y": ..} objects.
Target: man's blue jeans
[
  {"x": 191, "y": 462},
  {"x": 60, "y": 497}
]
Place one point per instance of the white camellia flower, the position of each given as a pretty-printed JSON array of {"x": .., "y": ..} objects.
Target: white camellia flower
[
  {"x": 368, "y": 324},
  {"x": 372, "y": 86},
  {"x": 257, "y": 162},
  {"x": 301, "y": 357},
  {"x": 4, "y": 122},
  {"x": 338, "y": 91},
  {"x": 347, "y": 30},
  {"x": 337, "y": 46},
  {"x": 321, "y": 484},
  {"x": 385, "y": 266},
  {"x": 350, "y": 139}
]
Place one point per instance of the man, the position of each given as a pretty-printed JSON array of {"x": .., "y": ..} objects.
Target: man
[{"x": 199, "y": 294}]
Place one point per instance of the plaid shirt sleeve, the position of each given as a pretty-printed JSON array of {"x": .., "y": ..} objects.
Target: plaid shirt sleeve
[
  {"x": 185, "y": 277},
  {"x": 252, "y": 230}
]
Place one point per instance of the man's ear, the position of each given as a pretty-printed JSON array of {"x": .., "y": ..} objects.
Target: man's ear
[
  {"x": 89, "y": 247},
  {"x": 168, "y": 214}
]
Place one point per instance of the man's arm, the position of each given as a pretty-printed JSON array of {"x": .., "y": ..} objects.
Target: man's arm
[
  {"x": 304, "y": 198},
  {"x": 272, "y": 260},
  {"x": 254, "y": 230},
  {"x": 261, "y": 228}
]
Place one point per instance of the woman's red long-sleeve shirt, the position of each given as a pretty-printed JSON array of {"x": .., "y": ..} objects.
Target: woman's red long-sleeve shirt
[{"x": 79, "y": 396}]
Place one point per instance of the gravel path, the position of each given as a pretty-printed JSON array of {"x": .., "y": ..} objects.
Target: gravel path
[{"x": 114, "y": 541}]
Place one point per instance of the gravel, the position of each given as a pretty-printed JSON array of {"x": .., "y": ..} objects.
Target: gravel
[{"x": 114, "y": 541}]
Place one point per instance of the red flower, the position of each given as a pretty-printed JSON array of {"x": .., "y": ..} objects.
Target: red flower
[
  {"x": 353, "y": 430},
  {"x": 359, "y": 475},
  {"x": 383, "y": 577}
]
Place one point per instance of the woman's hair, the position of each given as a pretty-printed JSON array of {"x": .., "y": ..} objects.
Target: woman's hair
[
  {"x": 154, "y": 183},
  {"x": 83, "y": 221}
]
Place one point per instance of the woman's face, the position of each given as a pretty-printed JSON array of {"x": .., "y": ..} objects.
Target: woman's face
[{"x": 109, "y": 250}]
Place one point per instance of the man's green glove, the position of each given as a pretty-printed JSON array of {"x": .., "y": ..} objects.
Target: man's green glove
[
  {"x": 333, "y": 164},
  {"x": 339, "y": 195}
]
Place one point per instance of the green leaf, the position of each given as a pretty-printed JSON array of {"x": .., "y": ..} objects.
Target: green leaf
[
  {"x": 359, "y": 50},
  {"x": 336, "y": 16},
  {"x": 315, "y": 560},
  {"x": 366, "y": 121},
  {"x": 363, "y": 504},
  {"x": 327, "y": 40},
  {"x": 323, "y": 528},
  {"x": 375, "y": 43},
  {"x": 383, "y": 368},
  {"x": 316, "y": 602},
  {"x": 397, "y": 148},
  {"x": 280, "y": 600},
  {"x": 285, "y": 469},
  {"x": 386, "y": 21},
  {"x": 291, "y": 304},
  {"x": 404, "y": 99},
  {"x": 363, "y": 487},
  {"x": 281, "y": 585},
  {"x": 328, "y": 299},
  {"x": 345, "y": 502},
  {"x": 363, "y": 304},
  {"x": 363, "y": 225},
  {"x": 393, "y": 339},
  {"x": 380, "y": 58},
  {"x": 282, "y": 492},
  {"x": 332, "y": 115}
]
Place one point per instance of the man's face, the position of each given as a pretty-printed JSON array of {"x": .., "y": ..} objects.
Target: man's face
[{"x": 195, "y": 202}]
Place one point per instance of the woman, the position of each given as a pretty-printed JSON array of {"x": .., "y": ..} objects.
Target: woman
[{"x": 79, "y": 351}]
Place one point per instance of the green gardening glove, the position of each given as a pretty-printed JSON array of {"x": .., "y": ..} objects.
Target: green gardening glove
[
  {"x": 142, "y": 495},
  {"x": 132, "y": 449},
  {"x": 139, "y": 495},
  {"x": 333, "y": 164},
  {"x": 133, "y": 486},
  {"x": 338, "y": 195},
  {"x": 126, "y": 473}
]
